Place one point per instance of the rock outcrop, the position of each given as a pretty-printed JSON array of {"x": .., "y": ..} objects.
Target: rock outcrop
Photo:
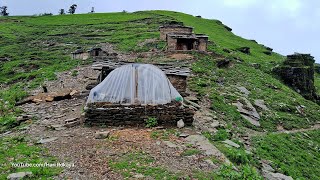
[{"x": 297, "y": 71}]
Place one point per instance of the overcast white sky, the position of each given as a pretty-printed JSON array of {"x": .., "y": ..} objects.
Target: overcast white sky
[{"x": 288, "y": 26}]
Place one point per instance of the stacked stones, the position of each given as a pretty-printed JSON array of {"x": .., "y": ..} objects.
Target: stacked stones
[
  {"x": 134, "y": 115},
  {"x": 298, "y": 72}
]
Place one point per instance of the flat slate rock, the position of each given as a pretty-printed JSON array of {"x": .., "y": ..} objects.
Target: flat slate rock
[
  {"x": 275, "y": 176},
  {"x": 248, "y": 111},
  {"x": 244, "y": 90},
  {"x": 260, "y": 103},
  {"x": 208, "y": 148},
  {"x": 43, "y": 141},
  {"x": 19, "y": 175},
  {"x": 170, "y": 144},
  {"x": 231, "y": 143}
]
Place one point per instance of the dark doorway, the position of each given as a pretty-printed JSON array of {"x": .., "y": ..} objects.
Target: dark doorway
[
  {"x": 96, "y": 53},
  {"x": 185, "y": 44}
]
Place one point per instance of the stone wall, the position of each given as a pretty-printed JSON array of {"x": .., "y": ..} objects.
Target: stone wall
[
  {"x": 203, "y": 44},
  {"x": 82, "y": 56},
  {"x": 175, "y": 29},
  {"x": 298, "y": 72},
  {"x": 171, "y": 44},
  {"x": 178, "y": 82},
  {"x": 135, "y": 115}
]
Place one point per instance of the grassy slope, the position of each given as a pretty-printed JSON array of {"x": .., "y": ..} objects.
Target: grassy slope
[
  {"x": 282, "y": 101},
  {"x": 296, "y": 154},
  {"x": 25, "y": 40}
]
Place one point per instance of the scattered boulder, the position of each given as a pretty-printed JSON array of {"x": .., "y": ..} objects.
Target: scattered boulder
[
  {"x": 253, "y": 41},
  {"x": 226, "y": 50},
  {"x": 214, "y": 166},
  {"x": 198, "y": 16},
  {"x": 192, "y": 99},
  {"x": 223, "y": 63},
  {"x": 268, "y": 48},
  {"x": 139, "y": 176},
  {"x": 48, "y": 140},
  {"x": 231, "y": 143},
  {"x": 48, "y": 97},
  {"x": 23, "y": 118},
  {"x": 267, "y": 167},
  {"x": 244, "y": 91},
  {"x": 215, "y": 124},
  {"x": 102, "y": 135},
  {"x": 269, "y": 53},
  {"x": 275, "y": 176},
  {"x": 245, "y": 50},
  {"x": 227, "y": 28},
  {"x": 57, "y": 127},
  {"x": 19, "y": 175},
  {"x": 300, "y": 109},
  {"x": 247, "y": 111},
  {"x": 208, "y": 148},
  {"x": 180, "y": 124},
  {"x": 72, "y": 122},
  {"x": 260, "y": 104},
  {"x": 256, "y": 65},
  {"x": 183, "y": 135},
  {"x": 170, "y": 144},
  {"x": 4, "y": 59}
]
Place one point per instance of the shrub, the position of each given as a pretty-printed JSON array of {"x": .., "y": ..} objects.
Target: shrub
[{"x": 151, "y": 122}]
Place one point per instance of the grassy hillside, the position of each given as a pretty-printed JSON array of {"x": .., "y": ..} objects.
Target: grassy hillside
[{"x": 38, "y": 47}]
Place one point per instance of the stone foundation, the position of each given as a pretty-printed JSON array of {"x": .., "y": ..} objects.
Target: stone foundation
[{"x": 135, "y": 115}]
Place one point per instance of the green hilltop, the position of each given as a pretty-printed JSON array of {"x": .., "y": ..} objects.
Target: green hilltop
[{"x": 34, "y": 48}]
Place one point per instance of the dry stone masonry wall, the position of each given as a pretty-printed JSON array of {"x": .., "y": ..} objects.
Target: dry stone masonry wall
[{"x": 133, "y": 115}]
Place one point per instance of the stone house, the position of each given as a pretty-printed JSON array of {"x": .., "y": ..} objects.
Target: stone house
[
  {"x": 164, "y": 30},
  {"x": 182, "y": 38}
]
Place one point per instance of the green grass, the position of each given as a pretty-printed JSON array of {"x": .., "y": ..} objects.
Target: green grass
[
  {"x": 141, "y": 163},
  {"x": 190, "y": 152},
  {"x": 296, "y": 155},
  {"x": 18, "y": 150},
  {"x": 281, "y": 101},
  {"x": 163, "y": 134},
  {"x": 39, "y": 47}
]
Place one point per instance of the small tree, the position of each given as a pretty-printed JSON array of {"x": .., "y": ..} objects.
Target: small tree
[
  {"x": 92, "y": 10},
  {"x": 61, "y": 12},
  {"x": 72, "y": 9},
  {"x": 3, "y": 11}
]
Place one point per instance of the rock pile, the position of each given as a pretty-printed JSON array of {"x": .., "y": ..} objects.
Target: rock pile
[{"x": 298, "y": 72}]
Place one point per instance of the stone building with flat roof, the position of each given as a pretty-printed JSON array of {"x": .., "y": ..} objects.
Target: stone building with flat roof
[{"x": 182, "y": 38}]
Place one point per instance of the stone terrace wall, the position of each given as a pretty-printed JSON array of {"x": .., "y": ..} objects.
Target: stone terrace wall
[{"x": 135, "y": 115}]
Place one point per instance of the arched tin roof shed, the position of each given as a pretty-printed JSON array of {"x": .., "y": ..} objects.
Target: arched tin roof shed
[{"x": 135, "y": 84}]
